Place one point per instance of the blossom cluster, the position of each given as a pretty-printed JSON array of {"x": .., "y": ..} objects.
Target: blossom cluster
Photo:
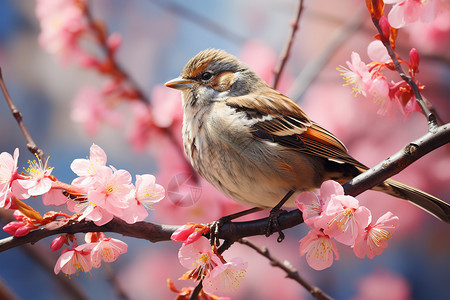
[
  {"x": 333, "y": 215},
  {"x": 369, "y": 79},
  {"x": 205, "y": 263},
  {"x": 98, "y": 194}
]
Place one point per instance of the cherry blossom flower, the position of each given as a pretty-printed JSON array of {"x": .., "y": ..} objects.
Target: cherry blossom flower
[
  {"x": 405, "y": 12},
  {"x": 54, "y": 197},
  {"x": 217, "y": 274},
  {"x": 148, "y": 191},
  {"x": 225, "y": 277},
  {"x": 8, "y": 173},
  {"x": 198, "y": 258},
  {"x": 39, "y": 181},
  {"x": 75, "y": 260},
  {"x": 374, "y": 238},
  {"x": 320, "y": 250},
  {"x": 106, "y": 249},
  {"x": 112, "y": 190},
  {"x": 59, "y": 241},
  {"x": 62, "y": 23},
  {"x": 91, "y": 110},
  {"x": 312, "y": 204},
  {"x": 189, "y": 233},
  {"x": 87, "y": 168},
  {"x": 357, "y": 75},
  {"x": 344, "y": 219}
]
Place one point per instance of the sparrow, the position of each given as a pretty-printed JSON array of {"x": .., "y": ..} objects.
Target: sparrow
[{"x": 258, "y": 146}]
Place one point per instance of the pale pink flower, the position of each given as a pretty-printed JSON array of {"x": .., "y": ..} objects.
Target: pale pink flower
[
  {"x": 410, "y": 11},
  {"x": 38, "y": 181},
  {"x": 198, "y": 258},
  {"x": 107, "y": 249},
  {"x": 217, "y": 274},
  {"x": 380, "y": 92},
  {"x": 189, "y": 233},
  {"x": 225, "y": 277},
  {"x": 54, "y": 197},
  {"x": 320, "y": 250},
  {"x": 62, "y": 24},
  {"x": 8, "y": 173},
  {"x": 312, "y": 205},
  {"x": 75, "y": 260},
  {"x": 344, "y": 219},
  {"x": 97, "y": 214},
  {"x": 91, "y": 110},
  {"x": 142, "y": 128},
  {"x": 148, "y": 191},
  {"x": 377, "y": 52},
  {"x": 374, "y": 238},
  {"x": 112, "y": 191},
  {"x": 357, "y": 75},
  {"x": 87, "y": 168}
]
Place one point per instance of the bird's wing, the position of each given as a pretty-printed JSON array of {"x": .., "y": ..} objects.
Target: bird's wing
[{"x": 280, "y": 120}]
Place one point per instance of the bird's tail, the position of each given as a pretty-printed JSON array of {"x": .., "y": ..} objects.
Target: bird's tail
[{"x": 427, "y": 202}]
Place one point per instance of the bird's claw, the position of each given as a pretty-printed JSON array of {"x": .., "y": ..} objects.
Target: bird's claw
[{"x": 273, "y": 224}]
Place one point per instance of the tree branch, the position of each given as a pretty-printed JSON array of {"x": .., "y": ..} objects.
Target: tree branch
[
  {"x": 31, "y": 145},
  {"x": 286, "y": 53},
  {"x": 288, "y": 268},
  {"x": 432, "y": 121},
  {"x": 399, "y": 161}
]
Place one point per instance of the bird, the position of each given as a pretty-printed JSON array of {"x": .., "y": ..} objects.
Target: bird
[{"x": 258, "y": 146}]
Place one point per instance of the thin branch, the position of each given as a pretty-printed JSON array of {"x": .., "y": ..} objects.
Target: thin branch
[
  {"x": 431, "y": 118},
  {"x": 287, "y": 51},
  {"x": 288, "y": 268},
  {"x": 399, "y": 161},
  {"x": 31, "y": 145}
]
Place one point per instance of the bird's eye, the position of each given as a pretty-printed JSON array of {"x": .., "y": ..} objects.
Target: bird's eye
[{"x": 206, "y": 75}]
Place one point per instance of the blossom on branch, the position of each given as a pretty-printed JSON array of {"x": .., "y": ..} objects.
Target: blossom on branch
[{"x": 320, "y": 250}]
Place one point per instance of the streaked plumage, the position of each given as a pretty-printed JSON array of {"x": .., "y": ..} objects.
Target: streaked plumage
[{"x": 255, "y": 144}]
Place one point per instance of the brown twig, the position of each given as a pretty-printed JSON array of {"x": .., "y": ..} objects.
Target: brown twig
[
  {"x": 31, "y": 145},
  {"x": 288, "y": 268},
  {"x": 431, "y": 118},
  {"x": 286, "y": 53},
  {"x": 399, "y": 161}
]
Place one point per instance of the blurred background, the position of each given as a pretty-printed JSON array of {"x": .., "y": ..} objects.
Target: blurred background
[{"x": 158, "y": 38}]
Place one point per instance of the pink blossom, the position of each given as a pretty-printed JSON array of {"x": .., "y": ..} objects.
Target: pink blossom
[
  {"x": 107, "y": 249},
  {"x": 312, "y": 205},
  {"x": 97, "y": 214},
  {"x": 198, "y": 258},
  {"x": 59, "y": 241},
  {"x": 380, "y": 92},
  {"x": 377, "y": 52},
  {"x": 189, "y": 233},
  {"x": 374, "y": 238},
  {"x": 410, "y": 11},
  {"x": 75, "y": 260},
  {"x": 357, "y": 75},
  {"x": 54, "y": 197},
  {"x": 62, "y": 23},
  {"x": 8, "y": 172},
  {"x": 18, "y": 228},
  {"x": 148, "y": 191},
  {"x": 38, "y": 181},
  {"x": 112, "y": 190},
  {"x": 91, "y": 109},
  {"x": 225, "y": 277},
  {"x": 319, "y": 249},
  {"x": 344, "y": 219},
  {"x": 142, "y": 128},
  {"x": 87, "y": 168}
]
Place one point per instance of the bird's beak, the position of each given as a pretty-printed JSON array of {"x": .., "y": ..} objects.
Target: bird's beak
[{"x": 180, "y": 83}]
